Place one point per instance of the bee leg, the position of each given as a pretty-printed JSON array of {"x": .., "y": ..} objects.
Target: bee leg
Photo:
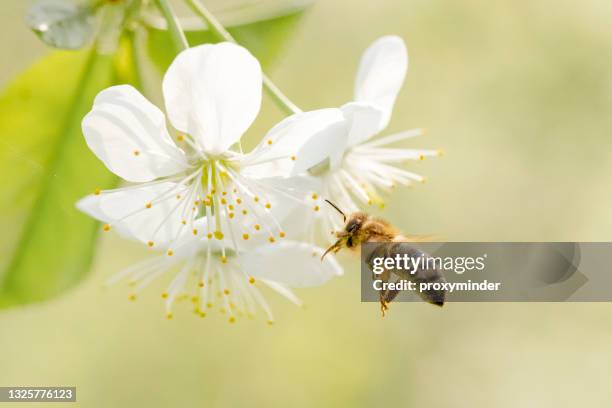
[{"x": 382, "y": 294}]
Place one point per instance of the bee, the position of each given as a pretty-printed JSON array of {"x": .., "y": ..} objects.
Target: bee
[{"x": 362, "y": 228}]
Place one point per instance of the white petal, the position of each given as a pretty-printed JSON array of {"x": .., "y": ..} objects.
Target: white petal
[
  {"x": 126, "y": 210},
  {"x": 381, "y": 74},
  {"x": 128, "y": 133},
  {"x": 295, "y": 264},
  {"x": 213, "y": 92},
  {"x": 325, "y": 148},
  {"x": 364, "y": 121}
]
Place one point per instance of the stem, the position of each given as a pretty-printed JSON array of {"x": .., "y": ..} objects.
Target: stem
[
  {"x": 281, "y": 100},
  {"x": 178, "y": 36}
]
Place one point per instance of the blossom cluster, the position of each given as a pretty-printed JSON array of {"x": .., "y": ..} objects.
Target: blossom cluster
[{"x": 227, "y": 222}]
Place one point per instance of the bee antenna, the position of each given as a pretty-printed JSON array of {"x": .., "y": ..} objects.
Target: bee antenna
[{"x": 337, "y": 209}]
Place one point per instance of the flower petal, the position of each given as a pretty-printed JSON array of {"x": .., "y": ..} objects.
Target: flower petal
[
  {"x": 364, "y": 121},
  {"x": 213, "y": 92},
  {"x": 149, "y": 213},
  {"x": 295, "y": 264},
  {"x": 381, "y": 74},
  {"x": 128, "y": 133},
  {"x": 323, "y": 149}
]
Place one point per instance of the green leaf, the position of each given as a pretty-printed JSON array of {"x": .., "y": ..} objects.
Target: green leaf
[
  {"x": 45, "y": 167},
  {"x": 263, "y": 38},
  {"x": 61, "y": 23}
]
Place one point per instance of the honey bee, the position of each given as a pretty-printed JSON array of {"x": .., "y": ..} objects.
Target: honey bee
[{"x": 362, "y": 228}]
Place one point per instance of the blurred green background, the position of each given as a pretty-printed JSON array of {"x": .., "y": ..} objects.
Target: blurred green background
[{"x": 518, "y": 94}]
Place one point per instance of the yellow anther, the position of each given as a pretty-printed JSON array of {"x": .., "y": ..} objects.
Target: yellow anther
[
  {"x": 382, "y": 206},
  {"x": 270, "y": 322},
  {"x": 239, "y": 200},
  {"x": 150, "y": 243},
  {"x": 180, "y": 138},
  {"x": 196, "y": 202},
  {"x": 97, "y": 191},
  {"x": 244, "y": 212},
  {"x": 209, "y": 235},
  {"x": 271, "y": 239},
  {"x": 164, "y": 295},
  {"x": 219, "y": 235},
  {"x": 178, "y": 196},
  {"x": 201, "y": 284},
  {"x": 226, "y": 292},
  {"x": 256, "y": 199},
  {"x": 231, "y": 215},
  {"x": 424, "y": 180},
  {"x": 184, "y": 222},
  {"x": 232, "y": 319},
  {"x": 222, "y": 310},
  {"x": 132, "y": 297},
  {"x": 223, "y": 259},
  {"x": 169, "y": 316},
  {"x": 230, "y": 207},
  {"x": 224, "y": 193},
  {"x": 149, "y": 205},
  {"x": 281, "y": 234},
  {"x": 136, "y": 152},
  {"x": 269, "y": 141},
  {"x": 202, "y": 314},
  {"x": 268, "y": 206},
  {"x": 106, "y": 227},
  {"x": 223, "y": 201},
  {"x": 293, "y": 158},
  {"x": 370, "y": 201},
  {"x": 245, "y": 236},
  {"x": 317, "y": 208},
  {"x": 170, "y": 252},
  {"x": 213, "y": 191},
  {"x": 422, "y": 157},
  {"x": 209, "y": 305},
  {"x": 195, "y": 299},
  {"x": 257, "y": 227},
  {"x": 314, "y": 196},
  {"x": 195, "y": 232},
  {"x": 252, "y": 280}
]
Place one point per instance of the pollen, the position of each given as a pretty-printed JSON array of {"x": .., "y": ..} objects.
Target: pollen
[
  {"x": 245, "y": 236},
  {"x": 195, "y": 232},
  {"x": 136, "y": 152},
  {"x": 244, "y": 212},
  {"x": 170, "y": 252},
  {"x": 209, "y": 235},
  {"x": 201, "y": 284},
  {"x": 149, "y": 205},
  {"x": 164, "y": 295},
  {"x": 317, "y": 208},
  {"x": 132, "y": 297},
  {"x": 314, "y": 196},
  {"x": 257, "y": 227},
  {"x": 224, "y": 259},
  {"x": 231, "y": 215},
  {"x": 271, "y": 239},
  {"x": 281, "y": 234},
  {"x": 232, "y": 319},
  {"x": 256, "y": 199},
  {"x": 106, "y": 227},
  {"x": 180, "y": 138},
  {"x": 293, "y": 158},
  {"x": 213, "y": 191},
  {"x": 269, "y": 141},
  {"x": 230, "y": 207},
  {"x": 239, "y": 201},
  {"x": 226, "y": 292},
  {"x": 219, "y": 235},
  {"x": 252, "y": 280},
  {"x": 224, "y": 193},
  {"x": 97, "y": 191},
  {"x": 150, "y": 244},
  {"x": 184, "y": 222},
  {"x": 223, "y": 201},
  {"x": 268, "y": 206},
  {"x": 422, "y": 157}
]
